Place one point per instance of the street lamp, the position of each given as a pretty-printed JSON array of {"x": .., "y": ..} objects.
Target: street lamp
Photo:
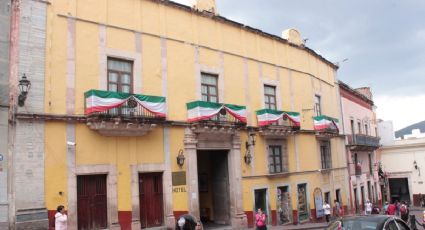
[{"x": 24, "y": 86}]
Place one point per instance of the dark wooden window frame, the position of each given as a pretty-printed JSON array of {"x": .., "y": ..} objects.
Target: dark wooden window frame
[
  {"x": 119, "y": 73},
  {"x": 325, "y": 155},
  {"x": 275, "y": 151},
  {"x": 269, "y": 104},
  {"x": 209, "y": 86}
]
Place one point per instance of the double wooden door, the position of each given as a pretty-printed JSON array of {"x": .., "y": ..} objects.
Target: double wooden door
[
  {"x": 92, "y": 202},
  {"x": 151, "y": 200}
]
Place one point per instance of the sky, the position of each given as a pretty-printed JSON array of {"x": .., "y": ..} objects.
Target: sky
[{"x": 383, "y": 40}]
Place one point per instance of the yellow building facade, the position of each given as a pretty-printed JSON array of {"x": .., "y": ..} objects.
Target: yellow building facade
[{"x": 267, "y": 137}]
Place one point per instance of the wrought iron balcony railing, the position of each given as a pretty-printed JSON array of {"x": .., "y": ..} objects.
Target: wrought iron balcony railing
[{"x": 363, "y": 142}]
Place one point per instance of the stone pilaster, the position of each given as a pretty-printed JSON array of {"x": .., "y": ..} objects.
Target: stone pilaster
[
  {"x": 190, "y": 141},
  {"x": 238, "y": 217}
]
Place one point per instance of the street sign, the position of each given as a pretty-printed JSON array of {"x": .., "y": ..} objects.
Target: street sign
[{"x": 1, "y": 157}]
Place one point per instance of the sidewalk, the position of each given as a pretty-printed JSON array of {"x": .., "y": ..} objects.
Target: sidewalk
[{"x": 298, "y": 227}]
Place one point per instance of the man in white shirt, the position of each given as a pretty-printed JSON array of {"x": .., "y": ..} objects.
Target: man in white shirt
[
  {"x": 368, "y": 208},
  {"x": 327, "y": 209}
]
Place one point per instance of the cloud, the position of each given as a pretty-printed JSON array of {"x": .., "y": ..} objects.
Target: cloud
[
  {"x": 404, "y": 111},
  {"x": 383, "y": 40}
]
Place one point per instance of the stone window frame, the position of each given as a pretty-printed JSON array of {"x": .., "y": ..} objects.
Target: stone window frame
[
  {"x": 283, "y": 143},
  {"x": 276, "y": 84},
  {"x": 217, "y": 71},
  {"x": 268, "y": 199},
  {"x": 326, "y": 164},
  {"x": 135, "y": 57}
]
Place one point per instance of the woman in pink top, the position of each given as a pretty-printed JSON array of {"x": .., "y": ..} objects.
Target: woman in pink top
[
  {"x": 60, "y": 218},
  {"x": 260, "y": 220}
]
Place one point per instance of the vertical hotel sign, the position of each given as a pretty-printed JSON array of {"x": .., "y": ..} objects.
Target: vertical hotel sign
[{"x": 318, "y": 202}]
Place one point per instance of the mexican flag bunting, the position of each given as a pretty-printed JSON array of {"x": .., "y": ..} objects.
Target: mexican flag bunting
[
  {"x": 100, "y": 101},
  {"x": 268, "y": 116},
  {"x": 201, "y": 110},
  {"x": 325, "y": 122}
]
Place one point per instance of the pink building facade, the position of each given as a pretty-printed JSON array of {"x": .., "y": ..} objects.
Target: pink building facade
[{"x": 360, "y": 128}]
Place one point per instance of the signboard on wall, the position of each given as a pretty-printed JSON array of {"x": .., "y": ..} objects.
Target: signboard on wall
[{"x": 318, "y": 203}]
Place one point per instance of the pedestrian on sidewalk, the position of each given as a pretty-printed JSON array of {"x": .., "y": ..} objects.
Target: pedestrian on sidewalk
[
  {"x": 385, "y": 208},
  {"x": 260, "y": 220},
  {"x": 397, "y": 208},
  {"x": 404, "y": 211},
  {"x": 391, "y": 209},
  {"x": 60, "y": 218},
  {"x": 327, "y": 209},
  {"x": 337, "y": 208},
  {"x": 368, "y": 207}
]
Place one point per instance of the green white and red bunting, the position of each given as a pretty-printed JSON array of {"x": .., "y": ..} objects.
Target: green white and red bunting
[
  {"x": 325, "y": 122},
  {"x": 100, "y": 101},
  {"x": 201, "y": 110},
  {"x": 268, "y": 116}
]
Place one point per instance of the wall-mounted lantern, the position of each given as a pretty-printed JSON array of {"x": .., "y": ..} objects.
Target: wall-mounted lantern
[
  {"x": 180, "y": 158},
  {"x": 24, "y": 86}
]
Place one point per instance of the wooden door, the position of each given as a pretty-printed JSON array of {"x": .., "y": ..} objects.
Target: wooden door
[
  {"x": 151, "y": 200},
  {"x": 91, "y": 202},
  {"x": 220, "y": 185}
]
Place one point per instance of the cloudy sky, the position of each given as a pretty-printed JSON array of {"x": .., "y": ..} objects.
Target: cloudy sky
[{"x": 383, "y": 40}]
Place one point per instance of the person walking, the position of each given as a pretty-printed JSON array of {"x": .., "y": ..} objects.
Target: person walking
[
  {"x": 385, "y": 208},
  {"x": 391, "y": 209},
  {"x": 327, "y": 210},
  {"x": 397, "y": 208},
  {"x": 404, "y": 211},
  {"x": 60, "y": 218},
  {"x": 368, "y": 207},
  {"x": 260, "y": 220},
  {"x": 337, "y": 208}
]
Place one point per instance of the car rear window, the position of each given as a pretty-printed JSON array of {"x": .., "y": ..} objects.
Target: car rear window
[{"x": 359, "y": 225}]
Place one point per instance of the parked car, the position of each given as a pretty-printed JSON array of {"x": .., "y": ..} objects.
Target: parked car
[{"x": 370, "y": 222}]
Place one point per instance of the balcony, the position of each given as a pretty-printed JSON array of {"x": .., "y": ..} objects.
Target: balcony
[
  {"x": 123, "y": 114},
  {"x": 275, "y": 123},
  {"x": 218, "y": 117},
  {"x": 359, "y": 142},
  {"x": 325, "y": 125}
]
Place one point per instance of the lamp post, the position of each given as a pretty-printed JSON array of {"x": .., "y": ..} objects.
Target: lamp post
[{"x": 24, "y": 86}]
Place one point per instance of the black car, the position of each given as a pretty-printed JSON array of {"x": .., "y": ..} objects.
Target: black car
[{"x": 371, "y": 222}]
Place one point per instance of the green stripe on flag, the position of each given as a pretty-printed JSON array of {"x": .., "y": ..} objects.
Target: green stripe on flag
[
  {"x": 205, "y": 104},
  {"x": 323, "y": 117},
  {"x": 235, "y": 107}
]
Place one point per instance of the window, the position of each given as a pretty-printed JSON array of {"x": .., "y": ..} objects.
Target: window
[
  {"x": 402, "y": 225},
  {"x": 352, "y": 127},
  {"x": 370, "y": 164},
  {"x": 325, "y": 154},
  {"x": 359, "y": 127},
  {"x": 327, "y": 196},
  {"x": 366, "y": 130},
  {"x": 317, "y": 105},
  {"x": 270, "y": 97},
  {"x": 120, "y": 75},
  {"x": 275, "y": 159},
  {"x": 209, "y": 88}
]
